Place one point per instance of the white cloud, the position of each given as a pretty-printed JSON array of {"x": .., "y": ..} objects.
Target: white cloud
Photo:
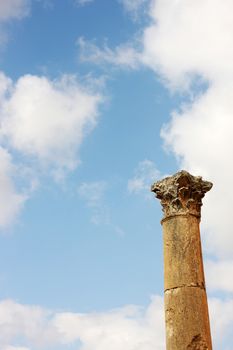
[
  {"x": 123, "y": 55},
  {"x": 187, "y": 38},
  {"x": 13, "y": 9},
  {"x": 134, "y": 6},
  {"x": 221, "y": 320},
  {"x": 47, "y": 120},
  {"x": 43, "y": 122},
  {"x": 29, "y": 323},
  {"x": 127, "y": 328},
  {"x": 83, "y": 2},
  {"x": 145, "y": 174},
  {"x": 15, "y": 348},
  {"x": 5, "y": 84},
  {"x": 11, "y": 200},
  {"x": 93, "y": 194},
  {"x": 219, "y": 275}
]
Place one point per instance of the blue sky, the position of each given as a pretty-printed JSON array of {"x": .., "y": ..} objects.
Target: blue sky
[{"x": 99, "y": 99}]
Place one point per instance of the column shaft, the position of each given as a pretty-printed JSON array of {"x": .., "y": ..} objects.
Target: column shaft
[{"x": 186, "y": 308}]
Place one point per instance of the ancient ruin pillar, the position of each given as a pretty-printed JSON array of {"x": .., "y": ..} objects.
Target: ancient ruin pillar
[{"x": 186, "y": 308}]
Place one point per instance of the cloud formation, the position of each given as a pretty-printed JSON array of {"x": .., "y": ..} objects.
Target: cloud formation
[
  {"x": 127, "y": 328},
  {"x": 221, "y": 320},
  {"x": 47, "y": 120},
  {"x": 145, "y": 174},
  {"x": 123, "y": 56},
  {"x": 93, "y": 194},
  {"x": 219, "y": 275},
  {"x": 188, "y": 38},
  {"x": 13, "y": 9},
  {"x": 44, "y": 122},
  {"x": 11, "y": 199},
  {"x": 15, "y": 348},
  {"x": 83, "y": 2},
  {"x": 134, "y": 6}
]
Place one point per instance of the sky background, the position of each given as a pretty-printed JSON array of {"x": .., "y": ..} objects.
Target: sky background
[{"x": 99, "y": 99}]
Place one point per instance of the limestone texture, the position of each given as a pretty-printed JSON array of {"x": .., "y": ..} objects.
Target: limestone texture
[
  {"x": 186, "y": 308},
  {"x": 181, "y": 193}
]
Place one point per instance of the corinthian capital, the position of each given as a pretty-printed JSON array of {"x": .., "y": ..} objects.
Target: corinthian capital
[{"x": 181, "y": 193}]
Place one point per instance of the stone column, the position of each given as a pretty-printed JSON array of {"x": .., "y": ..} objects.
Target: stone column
[{"x": 186, "y": 308}]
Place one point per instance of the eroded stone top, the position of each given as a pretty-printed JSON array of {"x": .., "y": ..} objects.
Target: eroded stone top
[{"x": 181, "y": 193}]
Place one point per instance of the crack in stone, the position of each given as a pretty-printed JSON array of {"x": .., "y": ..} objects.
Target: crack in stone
[{"x": 201, "y": 286}]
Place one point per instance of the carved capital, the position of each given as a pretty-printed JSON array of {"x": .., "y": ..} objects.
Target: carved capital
[{"x": 181, "y": 194}]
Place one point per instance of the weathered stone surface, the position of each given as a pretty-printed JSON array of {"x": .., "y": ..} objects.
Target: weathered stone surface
[
  {"x": 181, "y": 193},
  {"x": 187, "y": 321},
  {"x": 186, "y": 308},
  {"x": 182, "y": 252}
]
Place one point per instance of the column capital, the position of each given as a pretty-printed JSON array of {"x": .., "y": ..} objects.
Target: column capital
[{"x": 181, "y": 194}]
